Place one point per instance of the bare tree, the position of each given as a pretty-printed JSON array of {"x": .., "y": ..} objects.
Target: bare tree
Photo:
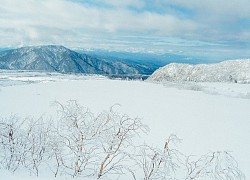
[
  {"x": 75, "y": 133},
  {"x": 116, "y": 140}
]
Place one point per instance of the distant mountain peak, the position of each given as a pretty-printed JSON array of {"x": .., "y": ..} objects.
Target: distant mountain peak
[{"x": 61, "y": 59}]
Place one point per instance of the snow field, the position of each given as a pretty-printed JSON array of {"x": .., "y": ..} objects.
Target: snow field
[{"x": 204, "y": 121}]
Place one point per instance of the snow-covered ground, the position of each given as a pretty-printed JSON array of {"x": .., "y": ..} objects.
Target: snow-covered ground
[{"x": 206, "y": 116}]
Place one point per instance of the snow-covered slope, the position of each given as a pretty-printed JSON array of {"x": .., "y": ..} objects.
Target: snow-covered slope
[
  {"x": 61, "y": 59},
  {"x": 227, "y": 71}
]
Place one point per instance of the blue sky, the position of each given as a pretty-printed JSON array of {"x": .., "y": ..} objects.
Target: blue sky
[{"x": 208, "y": 28}]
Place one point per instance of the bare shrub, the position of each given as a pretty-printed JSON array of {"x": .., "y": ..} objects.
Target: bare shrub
[
  {"x": 37, "y": 136},
  {"x": 13, "y": 146},
  {"x": 82, "y": 144},
  {"x": 155, "y": 163},
  {"x": 92, "y": 145},
  {"x": 23, "y": 143},
  {"x": 169, "y": 164},
  {"x": 215, "y": 165}
]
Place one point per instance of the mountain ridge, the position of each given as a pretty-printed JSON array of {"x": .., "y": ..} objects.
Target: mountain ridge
[{"x": 61, "y": 59}]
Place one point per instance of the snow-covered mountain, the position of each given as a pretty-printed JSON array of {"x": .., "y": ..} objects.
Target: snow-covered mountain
[
  {"x": 61, "y": 59},
  {"x": 226, "y": 71}
]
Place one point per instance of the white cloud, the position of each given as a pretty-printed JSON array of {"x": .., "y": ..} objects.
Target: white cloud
[
  {"x": 215, "y": 20},
  {"x": 73, "y": 24},
  {"x": 125, "y": 3},
  {"x": 33, "y": 20},
  {"x": 239, "y": 8},
  {"x": 222, "y": 15}
]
